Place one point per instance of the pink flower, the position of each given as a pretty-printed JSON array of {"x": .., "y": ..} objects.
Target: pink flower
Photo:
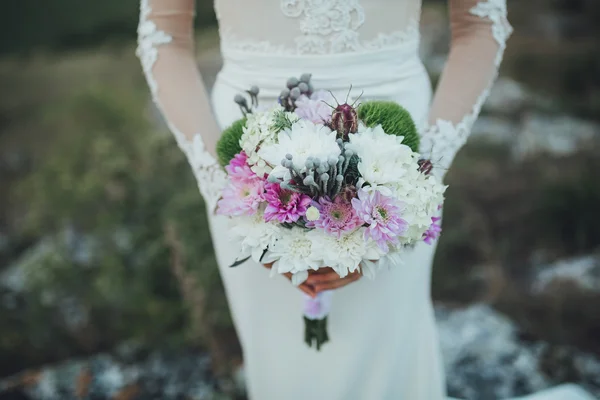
[
  {"x": 336, "y": 217},
  {"x": 238, "y": 169},
  {"x": 433, "y": 232},
  {"x": 284, "y": 205},
  {"x": 382, "y": 214},
  {"x": 241, "y": 198},
  {"x": 245, "y": 191},
  {"x": 314, "y": 108}
]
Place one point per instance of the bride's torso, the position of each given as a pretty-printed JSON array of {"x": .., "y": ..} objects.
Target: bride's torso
[{"x": 370, "y": 44}]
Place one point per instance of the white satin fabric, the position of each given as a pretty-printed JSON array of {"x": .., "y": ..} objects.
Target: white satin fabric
[{"x": 383, "y": 336}]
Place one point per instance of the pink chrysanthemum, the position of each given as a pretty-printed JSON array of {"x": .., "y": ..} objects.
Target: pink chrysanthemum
[
  {"x": 335, "y": 217},
  {"x": 241, "y": 198},
  {"x": 314, "y": 108},
  {"x": 238, "y": 169},
  {"x": 284, "y": 205},
  {"x": 382, "y": 214},
  {"x": 433, "y": 232}
]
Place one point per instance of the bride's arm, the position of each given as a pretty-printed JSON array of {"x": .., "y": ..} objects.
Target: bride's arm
[
  {"x": 479, "y": 33},
  {"x": 166, "y": 51}
]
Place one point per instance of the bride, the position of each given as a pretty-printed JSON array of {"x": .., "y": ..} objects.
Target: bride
[{"x": 384, "y": 341}]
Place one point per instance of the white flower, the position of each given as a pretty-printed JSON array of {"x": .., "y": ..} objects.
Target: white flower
[
  {"x": 383, "y": 158},
  {"x": 255, "y": 234},
  {"x": 293, "y": 253},
  {"x": 258, "y": 132},
  {"x": 312, "y": 213},
  {"x": 344, "y": 255},
  {"x": 421, "y": 195},
  {"x": 303, "y": 140}
]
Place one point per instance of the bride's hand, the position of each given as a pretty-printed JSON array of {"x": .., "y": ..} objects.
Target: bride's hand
[
  {"x": 328, "y": 279},
  {"x": 304, "y": 286}
]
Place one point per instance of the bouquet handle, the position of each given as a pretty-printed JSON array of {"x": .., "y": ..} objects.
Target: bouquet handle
[{"x": 316, "y": 311}]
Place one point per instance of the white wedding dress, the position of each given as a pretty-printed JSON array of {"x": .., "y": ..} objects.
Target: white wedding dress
[{"x": 383, "y": 334}]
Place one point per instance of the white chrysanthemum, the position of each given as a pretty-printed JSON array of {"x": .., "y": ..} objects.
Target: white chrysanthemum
[
  {"x": 421, "y": 195},
  {"x": 293, "y": 253},
  {"x": 259, "y": 131},
  {"x": 303, "y": 140},
  {"x": 345, "y": 254},
  {"x": 254, "y": 234},
  {"x": 383, "y": 158}
]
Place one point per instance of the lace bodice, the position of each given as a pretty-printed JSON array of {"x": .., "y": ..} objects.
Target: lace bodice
[{"x": 316, "y": 28}]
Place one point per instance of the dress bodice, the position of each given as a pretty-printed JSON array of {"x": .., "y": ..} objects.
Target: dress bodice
[{"x": 316, "y": 26}]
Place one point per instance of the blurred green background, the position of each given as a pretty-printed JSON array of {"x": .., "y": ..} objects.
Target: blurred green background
[{"x": 103, "y": 236}]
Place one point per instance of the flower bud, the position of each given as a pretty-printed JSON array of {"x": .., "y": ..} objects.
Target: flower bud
[
  {"x": 425, "y": 166},
  {"x": 241, "y": 100},
  {"x": 254, "y": 90},
  {"x": 303, "y": 87},
  {"x": 344, "y": 120},
  {"x": 289, "y": 156},
  {"x": 285, "y": 93},
  {"x": 295, "y": 93},
  {"x": 312, "y": 213},
  {"x": 292, "y": 83},
  {"x": 305, "y": 78}
]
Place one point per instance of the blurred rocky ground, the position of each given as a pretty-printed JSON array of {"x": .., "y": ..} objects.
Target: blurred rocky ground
[{"x": 108, "y": 284}]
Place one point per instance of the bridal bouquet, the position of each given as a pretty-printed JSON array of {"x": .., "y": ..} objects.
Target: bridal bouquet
[{"x": 314, "y": 184}]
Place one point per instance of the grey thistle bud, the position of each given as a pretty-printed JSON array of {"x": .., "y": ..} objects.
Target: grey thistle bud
[
  {"x": 305, "y": 78},
  {"x": 310, "y": 182},
  {"x": 292, "y": 83},
  {"x": 285, "y": 93},
  {"x": 289, "y": 156},
  {"x": 243, "y": 103},
  {"x": 295, "y": 94},
  {"x": 324, "y": 181},
  {"x": 303, "y": 87},
  {"x": 253, "y": 92},
  {"x": 340, "y": 162},
  {"x": 338, "y": 185},
  {"x": 349, "y": 154},
  {"x": 309, "y": 164}
]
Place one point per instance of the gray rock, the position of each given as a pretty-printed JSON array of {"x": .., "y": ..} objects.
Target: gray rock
[
  {"x": 558, "y": 135},
  {"x": 507, "y": 97},
  {"x": 495, "y": 129},
  {"x": 158, "y": 376},
  {"x": 583, "y": 271},
  {"x": 485, "y": 359}
]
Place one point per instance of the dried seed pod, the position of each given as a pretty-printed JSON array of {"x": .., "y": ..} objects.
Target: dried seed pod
[
  {"x": 303, "y": 87},
  {"x": 292, "y": 83},
  {"x": 295, "y": 94},
  {"x": 305, "y": 78}
]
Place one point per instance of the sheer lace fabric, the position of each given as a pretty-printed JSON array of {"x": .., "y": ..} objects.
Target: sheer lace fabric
[
  {"x": 317, "y": 26},
  {"x": 479, "y": 34},
  {"x": 166, "y": 51}
]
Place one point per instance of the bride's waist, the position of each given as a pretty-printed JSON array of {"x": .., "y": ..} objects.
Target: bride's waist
[{"x": 334, "y": 72}]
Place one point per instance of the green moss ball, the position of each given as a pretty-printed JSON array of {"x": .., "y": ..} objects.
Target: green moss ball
[
  {"x": 229, "y": 143},
  {"x": 393, "y": 118}
]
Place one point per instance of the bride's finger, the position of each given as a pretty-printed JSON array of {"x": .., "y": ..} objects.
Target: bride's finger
[
  {"x": 305, "y": 287},
  {"x": 340, "y": 282},
  {"x": 322, "y": 277}
]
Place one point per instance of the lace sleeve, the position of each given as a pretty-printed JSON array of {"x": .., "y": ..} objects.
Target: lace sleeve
[
  {"x": 479, "y": 34},
  {"x": 166, "y": 52}
]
